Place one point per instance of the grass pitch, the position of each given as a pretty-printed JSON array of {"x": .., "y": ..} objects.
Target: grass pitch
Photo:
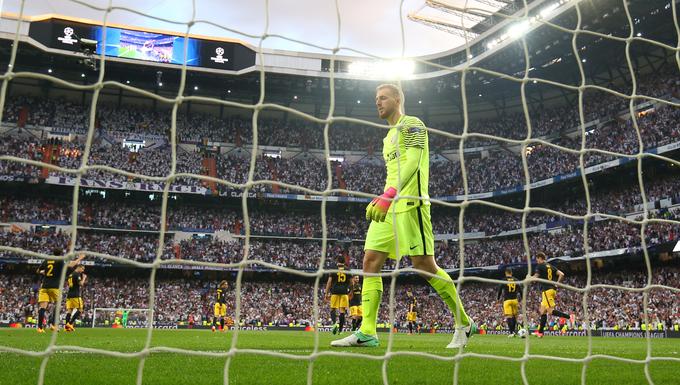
[{"x": 68, "y": 367}]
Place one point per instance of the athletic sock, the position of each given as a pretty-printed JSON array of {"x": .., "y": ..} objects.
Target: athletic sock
[
  {"x": 354, "y": 324},
  {"x": 215, "y": 322},
  {"x": 447, "y": 291},
  {"x": 52, "y": 317},
  {"x": 558, "y": 313},
  {"x": 358, "y": 323},
  {"x": 511, "y": 325},
  {"x": 544, "y": 320},
  {"x": 74, "y": 317},
  {"x": 222, "y": 323},
  {"x": 371, "y": 295},
  {"x": 68, "y": 318},
  {"x": 410, "y": 327},
  {"x": 342, "y": 321},
  {"x": 334, "y": 316},
  {"x": 41, "y": 318}
]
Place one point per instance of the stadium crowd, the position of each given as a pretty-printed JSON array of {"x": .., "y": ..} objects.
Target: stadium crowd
[
  {"x": 287, "y": 302},
  {"x": 500, "y": 167},
  {"x": 304, "y": 253},
  {"x": 67, "y": 116},
  {"x": 284, "y": 221}
]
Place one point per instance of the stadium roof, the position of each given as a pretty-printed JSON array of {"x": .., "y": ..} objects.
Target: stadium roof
[{"x": 430, "y": 26}]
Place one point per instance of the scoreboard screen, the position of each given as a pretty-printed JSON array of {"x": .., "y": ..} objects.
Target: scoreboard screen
[
  {"x": 142, "y": 45},
  {"x": 146, "y": 46}
]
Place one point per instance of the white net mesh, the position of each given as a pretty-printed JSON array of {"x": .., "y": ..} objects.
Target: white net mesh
[{"x": 464, "y": 70}]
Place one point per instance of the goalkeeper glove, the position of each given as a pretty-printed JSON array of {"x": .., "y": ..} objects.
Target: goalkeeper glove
[{"x": 377, "y": 209}]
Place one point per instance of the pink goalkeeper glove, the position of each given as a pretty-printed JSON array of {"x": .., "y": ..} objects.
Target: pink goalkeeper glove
[{"x": 377, "y": 209}]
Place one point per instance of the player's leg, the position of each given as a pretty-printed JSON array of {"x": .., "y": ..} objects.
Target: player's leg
[
  {"x": 77, "y": 313},
  {"x": 444, "y": 286},
  {"x": 334, "y": 316},
  {"x": 69, "y": 310},
  {"x": 223, "y": 314},
  {"x": 356, "y": 319},
  {"x": 378, "y": 247},
  {"x": 416, "y": 239},
  {"x": 216, "y": 314},
  {"x": 74, "y": 316},
  {"x": 372, "y": 289},
  {"x": 341, "y": 319},
  {"x": 335, "y": 303},
  {"x": 43, "y": 300},
  {"x": 545, "y": 308},
  {"x": 371, "y": 295},
  {"x": 54, "y": 296},
  {"x": 508, "y": 317},
  {"x": 510, "y": 308},
  {"x": 554, "y": 311},
  {"x": 353, "y": 316}
]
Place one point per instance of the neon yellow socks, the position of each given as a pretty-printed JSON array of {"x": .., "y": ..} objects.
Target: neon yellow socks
[
  {"x": 371, "y": 295},
  {"x": 447, "y": 291}
]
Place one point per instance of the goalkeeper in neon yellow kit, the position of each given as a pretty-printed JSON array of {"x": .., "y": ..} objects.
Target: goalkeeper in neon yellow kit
[{"x": 406, "y": 155}]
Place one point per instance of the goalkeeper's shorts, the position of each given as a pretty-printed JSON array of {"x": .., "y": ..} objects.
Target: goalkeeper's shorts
[{"x": 413, "y": 232}]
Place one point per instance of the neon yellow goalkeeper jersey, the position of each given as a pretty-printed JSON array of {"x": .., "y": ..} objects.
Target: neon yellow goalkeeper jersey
[{"x": 408, "y": 132}]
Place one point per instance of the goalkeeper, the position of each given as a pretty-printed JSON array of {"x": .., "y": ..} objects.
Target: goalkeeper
[{"x": 406, "y": 155}]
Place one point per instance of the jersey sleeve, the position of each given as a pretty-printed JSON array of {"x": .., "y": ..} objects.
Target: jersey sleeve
[{"x": 413, "y": 132}]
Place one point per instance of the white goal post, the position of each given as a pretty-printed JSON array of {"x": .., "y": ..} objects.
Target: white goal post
[{"x": 114, "y": 310}]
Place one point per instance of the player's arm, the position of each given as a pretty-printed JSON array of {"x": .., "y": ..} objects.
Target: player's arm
[
  {"x": 41, "y": 268},
  {"x": 76, "y": 261},
  {"x": 500, "y": 291},
  {"x": 83, "y": 279},
  {"x": 414, "y": 135},
  {"x": 328, "y": 288},
  {"x": 560, "y": 276}
]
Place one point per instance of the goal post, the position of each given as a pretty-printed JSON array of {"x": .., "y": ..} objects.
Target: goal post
[{"x": 110, "y": 316}]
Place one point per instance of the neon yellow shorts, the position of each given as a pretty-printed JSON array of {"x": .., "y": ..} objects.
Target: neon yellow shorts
[{"x": 413, "y": 230}]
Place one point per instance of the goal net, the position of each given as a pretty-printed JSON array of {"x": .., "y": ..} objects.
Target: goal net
[
  {"x": 120, "y": 318},
  {"x": 468, "y": 184}
]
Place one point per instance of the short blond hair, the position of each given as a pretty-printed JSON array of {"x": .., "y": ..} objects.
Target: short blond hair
[{"x": 396, "y": 91}]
